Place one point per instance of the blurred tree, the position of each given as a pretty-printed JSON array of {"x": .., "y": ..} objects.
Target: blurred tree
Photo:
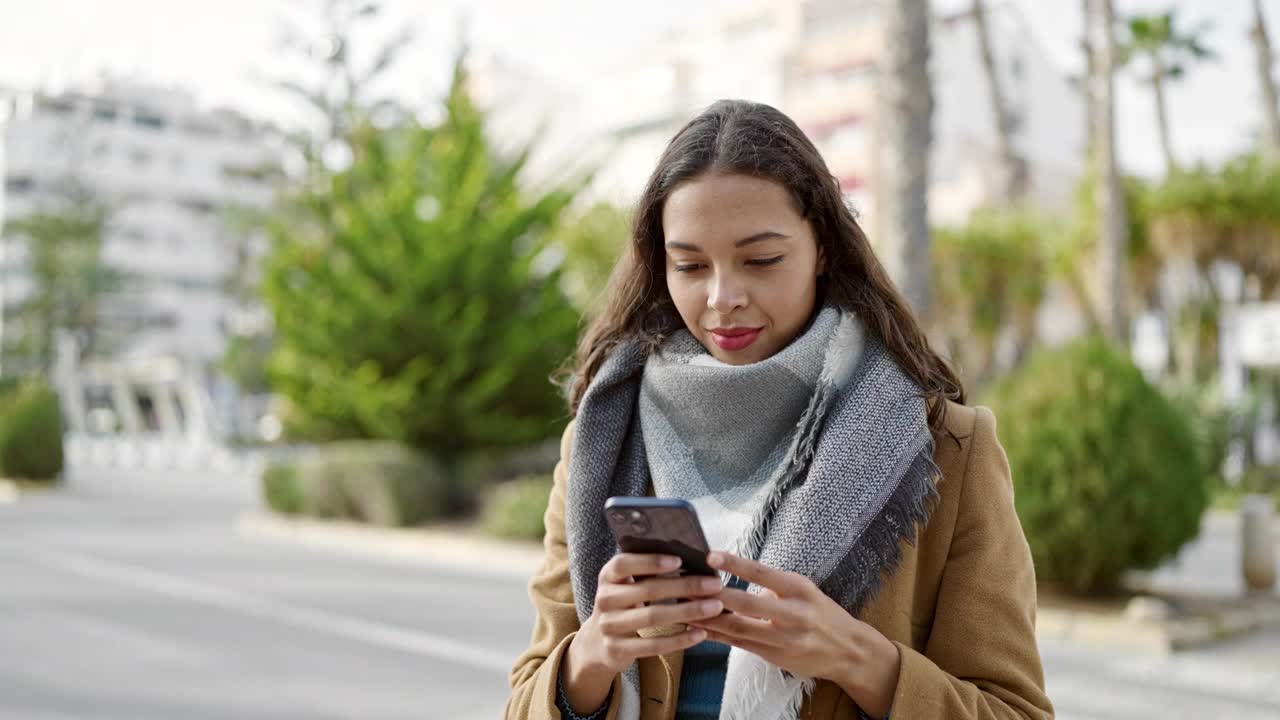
[
  {"x": 906, "y": 99},
  {"x": 592, "y": 241},
  {"x": 1012, "y": 170},
  {"x": 1112, "y": 223},
  {"x": 1085, "y": 83},
  {"x": 989, "y": 278},
  {"x": 411, "y": 294},
  {"x": 1270, "y": 105},
  {"x": 336, "y": 91},
  {"x": 69, "y": 281},
  {"x": 1169, "y": 51},
  {"x": 248, "y": 328},
  {"x": 1075, "y": 250},
  {"x": 341, "y": 91},
  {"x": 1232, "y": 213}
]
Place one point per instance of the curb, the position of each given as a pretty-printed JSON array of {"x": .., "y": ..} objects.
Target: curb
[
  {"x": 438, "y": 547},
  {"x": 11, "y": 491},
  {"x": 1115, "y": 631}
]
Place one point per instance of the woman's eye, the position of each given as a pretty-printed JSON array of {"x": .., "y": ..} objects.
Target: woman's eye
[{"x": 759, "y": 262}]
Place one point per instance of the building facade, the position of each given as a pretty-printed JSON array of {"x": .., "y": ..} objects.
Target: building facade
[
  {"x": 175, "y": 179},
  {"x": 817, "y": 60}
]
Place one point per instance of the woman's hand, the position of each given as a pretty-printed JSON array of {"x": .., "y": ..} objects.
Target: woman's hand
[
  {"x": 607, "y": 642},
  {"x": 624, "y": 605},
  {"x": 794, "y": 625}
]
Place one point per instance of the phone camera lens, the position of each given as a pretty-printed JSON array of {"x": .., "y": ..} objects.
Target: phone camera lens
[{"x": 638, "y": 522}]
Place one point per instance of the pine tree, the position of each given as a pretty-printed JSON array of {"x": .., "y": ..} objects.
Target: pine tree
[{"x": 412, "y": 296}]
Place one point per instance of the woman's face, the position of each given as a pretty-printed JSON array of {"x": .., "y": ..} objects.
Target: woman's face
[{"x": 741, "y": 265}]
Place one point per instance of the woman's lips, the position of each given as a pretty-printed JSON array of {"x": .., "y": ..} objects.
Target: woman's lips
[{"x": 736, "y": 341}]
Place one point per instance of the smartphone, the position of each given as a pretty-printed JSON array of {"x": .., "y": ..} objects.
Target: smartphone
[{"x": 667, "y": 526}]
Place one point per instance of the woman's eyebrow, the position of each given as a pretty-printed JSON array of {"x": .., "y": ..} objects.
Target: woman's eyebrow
[{"x": 758, "y": 237}]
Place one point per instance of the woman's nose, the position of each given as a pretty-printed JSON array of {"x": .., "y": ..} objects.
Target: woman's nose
[{"x": 726, "y": 294}]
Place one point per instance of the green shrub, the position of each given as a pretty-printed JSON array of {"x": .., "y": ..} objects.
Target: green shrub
[
  {"x": 1107, "y": 473},
  {"x": 280, "y": 488},
  {"x": 480, "y": 470},
  {"x": 515, "y": 508},
  {"x": 1263, "y": 479},
  {"x": 31, "y": 432},
  {"x": 379, "y": 482}
]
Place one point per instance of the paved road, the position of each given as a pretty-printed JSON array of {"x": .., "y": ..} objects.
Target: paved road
[
  {"x": 151, "y": 608},
  {"x": 136, "y": 606}
]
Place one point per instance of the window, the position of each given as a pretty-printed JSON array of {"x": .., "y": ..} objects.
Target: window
[
  {"x": 19, "y": 184},
  {"x": 196, "y": 205},
  {"x": 105, "y": 113},
  {"x": 200, "y": 128},
  {"x": 139, "y": 157},
  {"x": 161, "y": 320},
  {"x": 1016, "y": 68},
  {"x": 149, "y": 120},
  {"x": 134, "y": 235},
  {"x": 56, "y": 106},
  {"x": 823, "y": 15}
]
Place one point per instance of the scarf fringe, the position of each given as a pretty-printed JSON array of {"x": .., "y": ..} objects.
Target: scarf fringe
[
  {"x": 761, "y": 689},
  {"x": 877, "y": 553}
]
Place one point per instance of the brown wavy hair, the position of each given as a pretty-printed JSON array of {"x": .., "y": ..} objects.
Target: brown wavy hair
[{"x": 740, "y": 137}]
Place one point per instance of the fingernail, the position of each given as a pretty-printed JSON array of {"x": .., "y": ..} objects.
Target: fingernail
[
  {"x": 710, "y": 606},
  {"x": 670, "y": 562},
  {"x": 715, "y": 559}
]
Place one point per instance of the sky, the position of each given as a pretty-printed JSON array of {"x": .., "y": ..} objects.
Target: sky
[{"x": 223, "y": 51}]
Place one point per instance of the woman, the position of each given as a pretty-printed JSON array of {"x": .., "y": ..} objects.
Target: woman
[{"x": 753, "y": 358}]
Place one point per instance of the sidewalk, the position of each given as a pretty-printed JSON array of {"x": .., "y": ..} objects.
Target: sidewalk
[
  {"x": 1200, "y": 597},
  {"x": 1195, "y": 599}
]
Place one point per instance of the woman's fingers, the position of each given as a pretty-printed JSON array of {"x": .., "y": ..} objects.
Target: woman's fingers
[
  {"x": 739, "y": 626},
  {"x": 781, "y": 582},
  {"x": 623, "y": 566},
  {"x": 638, "y": 647},
  {"x": 627, "y": 622},
  {"x": 651, "y": 590},
  {"x": 784, "y": 613}
]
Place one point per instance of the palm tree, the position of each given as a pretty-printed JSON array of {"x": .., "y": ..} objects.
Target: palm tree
[
  {"x": 1270, "y": 109},
  {"x": 907, "y": 112},
  {"x": 1012, "y": 181},
  {"x": 1169, "y": 52},
  {"x": 1090, "y": 73},
  {"x": 1113, "y": 227}
]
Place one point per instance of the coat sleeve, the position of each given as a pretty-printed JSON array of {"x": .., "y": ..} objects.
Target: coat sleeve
[
  {"x": 981, "y": 660},
  {"x": 534, "y": 674}
]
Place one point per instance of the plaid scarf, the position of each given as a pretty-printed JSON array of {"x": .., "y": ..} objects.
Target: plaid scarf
[{"x": 817, "y": 460}]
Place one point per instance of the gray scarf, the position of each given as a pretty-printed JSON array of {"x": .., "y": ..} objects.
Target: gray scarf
[{"x": 817, "y": 460}]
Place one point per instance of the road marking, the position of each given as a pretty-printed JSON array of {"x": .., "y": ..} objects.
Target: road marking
[{"x": 372, "y": 633}]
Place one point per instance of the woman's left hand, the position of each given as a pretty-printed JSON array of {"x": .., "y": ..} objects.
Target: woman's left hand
[{"x": 797, "y": 627}]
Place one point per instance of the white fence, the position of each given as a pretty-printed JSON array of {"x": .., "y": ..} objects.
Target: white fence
[{"x": 163, "y": 464}]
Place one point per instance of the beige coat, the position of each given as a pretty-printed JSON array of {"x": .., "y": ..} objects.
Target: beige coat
[{"x": 961, "y": 607}]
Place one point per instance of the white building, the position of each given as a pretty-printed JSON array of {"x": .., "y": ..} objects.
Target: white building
[
  {"x": 174, "y": 175},
  {"x": 817, "y": 60}
]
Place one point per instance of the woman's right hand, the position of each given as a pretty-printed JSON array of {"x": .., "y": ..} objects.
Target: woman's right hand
[{"x": 624, "y": 605}]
